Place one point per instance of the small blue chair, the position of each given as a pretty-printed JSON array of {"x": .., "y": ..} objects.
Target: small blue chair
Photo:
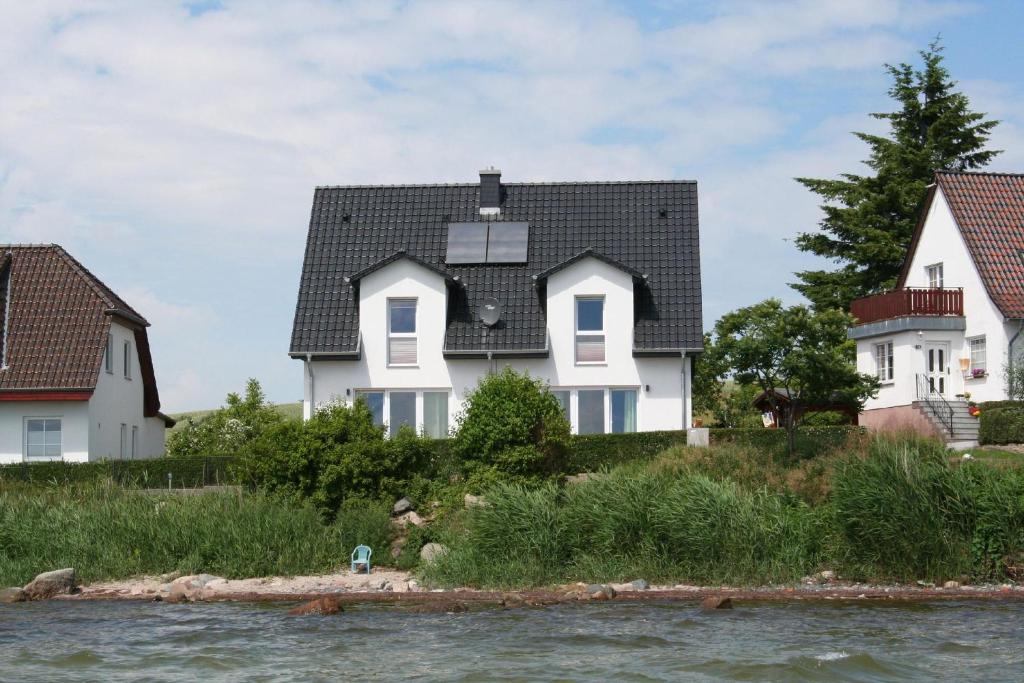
[{"x": 361, "y": 556}]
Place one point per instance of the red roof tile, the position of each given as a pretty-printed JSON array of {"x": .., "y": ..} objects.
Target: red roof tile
[
  {"x": 989, "y": 209},
  {"x": 55, "y": 320}
]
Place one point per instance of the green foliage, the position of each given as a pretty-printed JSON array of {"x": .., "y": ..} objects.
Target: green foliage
[
  {"x": 707, "y": 388},
  {"x": 809, "y": 442},
  {"x": 826, "y": 418},
  {"x": 513, "y": 425},
  {"x": 736, "y": 408},
  {"x": 228, "y": 430},
  {"x": 107, "y": 532},
  {"x": 1001, "y": 425},
  {"x": 591, "y": 452},
  {"x": 805, "y": 353},
  {"x": 186, "y": 472},
  {"x": 869, "y": 219},
  {"x": 362, "y": 523},
  {"x": 1013, "y": 378},
  {"x": 335, "y": 456}
]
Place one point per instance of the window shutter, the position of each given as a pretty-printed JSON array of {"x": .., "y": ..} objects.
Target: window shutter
[
  {"x": 402, "y": 350},
  {"x": 590, "y": 348}
]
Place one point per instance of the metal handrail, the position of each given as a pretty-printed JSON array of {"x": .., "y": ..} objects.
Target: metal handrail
[{"x": 935, "y": 401}]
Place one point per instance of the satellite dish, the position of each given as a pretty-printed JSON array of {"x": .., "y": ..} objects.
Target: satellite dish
[{"x": 490, "y": 311}]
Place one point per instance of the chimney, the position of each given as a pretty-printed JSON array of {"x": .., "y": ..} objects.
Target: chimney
[{"x": 490, "y": 192}]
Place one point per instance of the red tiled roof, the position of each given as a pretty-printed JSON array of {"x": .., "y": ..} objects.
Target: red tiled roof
[
  {"x": 55, "y": 322},
  {"x": 989, "y": 208}
]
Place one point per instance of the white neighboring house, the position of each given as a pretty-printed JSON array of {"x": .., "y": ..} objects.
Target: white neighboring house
[
  {"x": 76, "y": 376},
  {"x": 954, "y": 322},
  {"x": 594, "y": 288}
]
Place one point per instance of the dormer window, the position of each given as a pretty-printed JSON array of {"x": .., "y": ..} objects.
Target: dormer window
[
  {"x": 590, "y": 329},
  {"x": 934, "y": 273},
  {"x": 401, "y": 331}
]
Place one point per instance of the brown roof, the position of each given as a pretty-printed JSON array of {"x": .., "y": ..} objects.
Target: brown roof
[
  {"x": 55, "y": 320},
  {"x": 989, "y": 210}
]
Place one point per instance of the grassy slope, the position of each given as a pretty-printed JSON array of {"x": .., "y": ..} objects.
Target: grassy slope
[{"x": 289, "y": 410}]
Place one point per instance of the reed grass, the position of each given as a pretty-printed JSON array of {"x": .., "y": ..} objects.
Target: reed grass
[{"x": 106, "y": 532}]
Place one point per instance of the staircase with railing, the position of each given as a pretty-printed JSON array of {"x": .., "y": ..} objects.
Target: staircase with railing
[{"x": 951, "y": 418}]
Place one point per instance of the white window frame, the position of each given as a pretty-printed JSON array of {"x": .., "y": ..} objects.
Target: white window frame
[
  {"x": 574, "y": 408},
  {"x": 135, "y": 442},
  {"x": 886, "y": 370},
  {"x": 404, "y": 335},
  {"x": 127, "y": 355},
  {"x": 935, "y": 275},
  {"x": 24, "y": 438},
  {"x": 108, "y": 355},
  {"x": 420, "y": 413},
  {"x": 984, "y": 353},
  {"x": 589, "y": 333}
]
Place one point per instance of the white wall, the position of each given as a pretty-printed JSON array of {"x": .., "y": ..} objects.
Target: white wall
[
  {"x": 942, "y": 242},
  {"x": 118, "y": 400},
  {"x": 662, "y": 407},
  {"x": 74, "y": 416}
]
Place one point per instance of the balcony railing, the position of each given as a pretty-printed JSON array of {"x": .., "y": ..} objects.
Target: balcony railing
[{"x": 906, "y": 302}]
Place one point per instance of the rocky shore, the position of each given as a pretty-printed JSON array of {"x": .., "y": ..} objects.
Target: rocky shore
[{"x": 329, "y": 593}]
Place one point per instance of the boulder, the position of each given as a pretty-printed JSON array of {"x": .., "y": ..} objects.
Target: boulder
[
  {"x": 578, "y": 478},
  {"x": 402, "y": 506},
  {"x": 320, "y": 606},
  {"x": 9, "y": 595},
  {"x": 409, "y": 519},
  {"x": 512, "y": 600},
  {"x": 597, "y": 591},
  {"x": 413, "y": 585},
  {"x": 640, "y": 585},
  {"x": 379, "y": 585},
  {"x": 49, "y": 584},
  {"x": 430, "y": 552},
  {"x": 471, "y": 501},
  {"x": 170, "y": 576},
  {"x": 951, "y": 584},
  {"x": 715, "y": 602}
]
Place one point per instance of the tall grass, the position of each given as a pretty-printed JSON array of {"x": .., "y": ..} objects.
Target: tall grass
[
  {"x": 106, "y": 532},
  {"x": 893, "y": 509}
]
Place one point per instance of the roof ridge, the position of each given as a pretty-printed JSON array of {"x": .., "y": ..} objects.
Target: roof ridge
[
  {"x": 100, "y": 288},
  {"x": 504, "y": 184},
  {"x": 982, "y": 173}
]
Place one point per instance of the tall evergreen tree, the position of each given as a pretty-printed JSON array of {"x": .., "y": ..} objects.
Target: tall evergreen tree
[{"x": 869, "y": 219}]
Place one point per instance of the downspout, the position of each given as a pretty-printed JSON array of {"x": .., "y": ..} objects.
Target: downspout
[
  {"x": 682, "y": 389},
  {"x": 312, "y": 383}
]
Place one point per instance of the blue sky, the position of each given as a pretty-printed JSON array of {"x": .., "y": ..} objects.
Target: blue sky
[{"x": 174, "y": 147}]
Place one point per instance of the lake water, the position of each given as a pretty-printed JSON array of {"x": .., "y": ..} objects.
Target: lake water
[{"x": 822, "y": 641}]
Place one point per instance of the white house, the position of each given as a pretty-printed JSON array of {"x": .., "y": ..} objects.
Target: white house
[
  {"x": 76, "y": 377},
  {"x": 409, "y": 294},
  {"x": 953, "y": 324}
]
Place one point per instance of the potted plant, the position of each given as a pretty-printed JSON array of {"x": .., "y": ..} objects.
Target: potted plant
[{"x": 978, "y": 373}]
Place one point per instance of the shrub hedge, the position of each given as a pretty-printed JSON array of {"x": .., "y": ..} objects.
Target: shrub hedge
[
  {"x": 1002, "y": 425},
  {"x": 186, "y": 472},
  {"x": 585, "y": 453}
]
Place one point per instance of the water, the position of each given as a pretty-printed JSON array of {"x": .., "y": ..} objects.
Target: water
[{"x": 115, "y": 641}]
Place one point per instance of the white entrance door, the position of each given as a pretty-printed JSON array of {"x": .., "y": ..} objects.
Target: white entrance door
[{"x": 936, "y": 366}]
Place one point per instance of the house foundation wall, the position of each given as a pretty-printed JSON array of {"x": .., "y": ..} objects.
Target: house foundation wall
[{"x": 899, "y": 419}]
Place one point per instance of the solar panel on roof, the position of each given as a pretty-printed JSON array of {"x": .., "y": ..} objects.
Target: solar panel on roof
[
  {"x": 467, "y": 243},
  {"x": 507, "y": 242}
]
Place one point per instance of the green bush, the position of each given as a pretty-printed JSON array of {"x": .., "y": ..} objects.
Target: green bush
[
  {"x": 591, "y": 452},
  {"x": 513, "y": 425},
  {"x": 810, "y": 441},
  {"x": 1001, "y": 425},
  {"x": 228, "y": 430},
  {"x": 989, "y": 405},
  {"x": 107, "y": 532},
  {"x": 825, "y": 418},
  {"x": 186, "y": 472}
]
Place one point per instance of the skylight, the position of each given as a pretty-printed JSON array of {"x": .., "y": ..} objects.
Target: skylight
[{"x": 487, "y": 242}]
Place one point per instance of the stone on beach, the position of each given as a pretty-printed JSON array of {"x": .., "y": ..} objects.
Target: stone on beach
[
  {"x": 320, "y": 606},
  {"x": 471, "y": 501},
  {"x": 402, "y": 506},
  {"x": 409, "y": 519},
  {"x": 431, "y": 552},
  {"x": 951, "y": 584},
  {"x": 49, "y": 584},
  {"x": 715, "y": 602},
  {"x": 15, "y": 594}
]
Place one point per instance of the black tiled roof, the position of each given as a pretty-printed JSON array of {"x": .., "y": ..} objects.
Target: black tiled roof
[{"x": 650, "y": 227}]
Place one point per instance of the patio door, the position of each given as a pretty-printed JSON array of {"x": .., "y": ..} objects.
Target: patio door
[{"x": 936, "y": 366}]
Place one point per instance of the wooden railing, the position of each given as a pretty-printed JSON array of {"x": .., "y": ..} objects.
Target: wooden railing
[{"x": 909, "y": 301}]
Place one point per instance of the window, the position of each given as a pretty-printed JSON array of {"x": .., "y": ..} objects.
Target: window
[
  {"x": 435, "y": 414},
  {"x": 563, "y": 397},
  {"x": 884, "y": 361},
  {"x": 127, "y": 360},
  {"x": 589, "y": 329},
  {"x": 124, "y": 441},
  {"x": 401, "y": 331},
  {"x": 108, "y": 355},
  {"x": 374, "y": 400},
  {"x": 43, "y": 438},
  {"x": 934, "y": 273},
  {"x": 403, "y": 410},
  {"x": 623, "y": 410},
  {"x": 135, "y": 442},
  {"x": 978, "y": 361},
  {"x": 590, "y": 405}
]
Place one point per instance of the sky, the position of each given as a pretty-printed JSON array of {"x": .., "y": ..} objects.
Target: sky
[{"x": 174, "y": 147}]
